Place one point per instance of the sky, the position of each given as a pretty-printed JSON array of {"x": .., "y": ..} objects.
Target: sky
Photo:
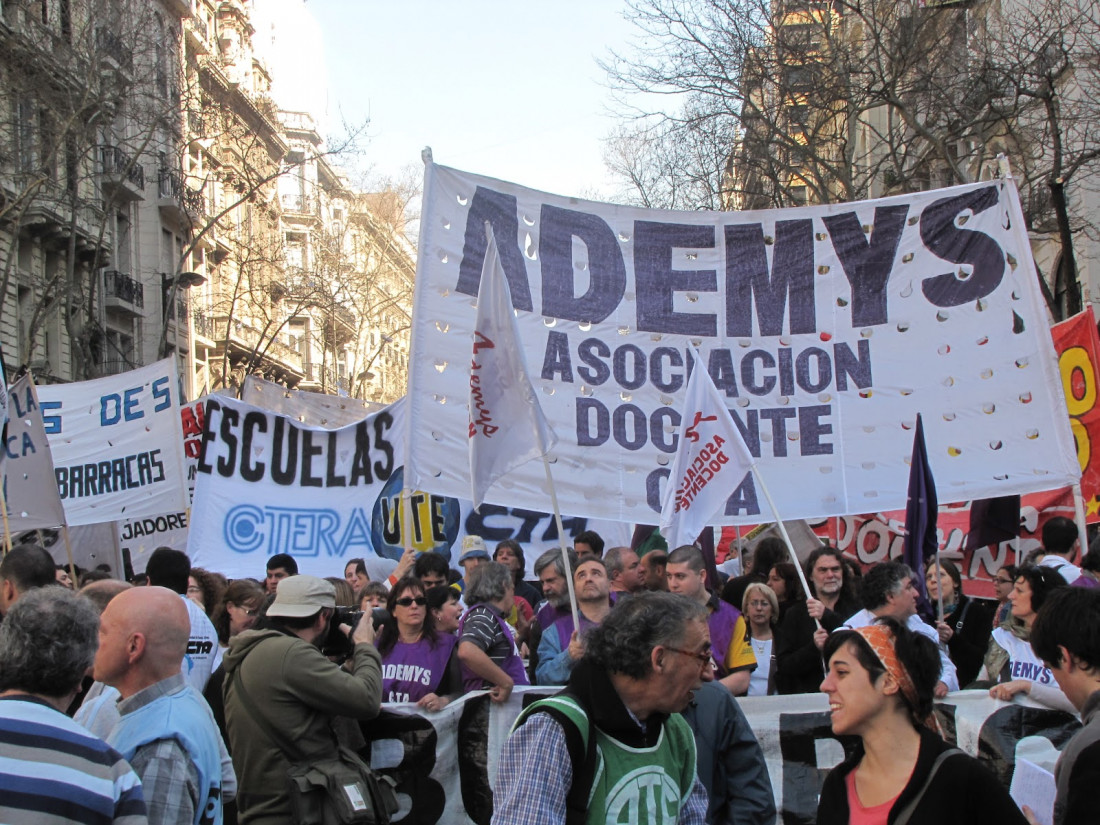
[{"x": 505, "y": 89}]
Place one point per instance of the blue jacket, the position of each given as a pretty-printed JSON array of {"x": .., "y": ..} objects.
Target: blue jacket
[{"x": 729, "y": 759}]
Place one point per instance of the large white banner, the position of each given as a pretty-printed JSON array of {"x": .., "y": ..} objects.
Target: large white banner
[
  {"x": 117, "y": 445},
  {"x": 267, "y": 483},
  {"x": 826, "y": 328},
  {"x": 445, "y": 763}
]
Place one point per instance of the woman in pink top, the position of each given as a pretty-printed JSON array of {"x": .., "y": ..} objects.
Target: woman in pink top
[{"x": 879, "y": 682}]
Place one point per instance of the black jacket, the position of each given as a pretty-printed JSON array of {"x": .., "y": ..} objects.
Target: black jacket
[
  {"x": 972, "y": 622},
  {"x": 963, "y": 791},
  {"x": 798, "y": 667}
]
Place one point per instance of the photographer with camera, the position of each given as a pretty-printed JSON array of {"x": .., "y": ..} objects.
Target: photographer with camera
[{"x": 281, "y": 694}]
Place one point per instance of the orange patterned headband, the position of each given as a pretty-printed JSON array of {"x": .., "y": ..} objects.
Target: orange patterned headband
[{"x": 881, "y": 641}]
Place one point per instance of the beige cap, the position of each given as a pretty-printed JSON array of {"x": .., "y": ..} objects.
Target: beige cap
[
  {"x": 473, "y": 547},
  {"x": 299, "y": 596}
]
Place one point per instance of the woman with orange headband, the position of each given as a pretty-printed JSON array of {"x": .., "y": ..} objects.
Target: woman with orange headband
[{"x": 879, "y": 683}]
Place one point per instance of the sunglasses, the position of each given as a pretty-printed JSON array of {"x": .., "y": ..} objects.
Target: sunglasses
[{"x": 409, "y": 601}]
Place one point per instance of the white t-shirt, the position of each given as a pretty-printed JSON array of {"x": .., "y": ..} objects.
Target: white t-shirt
[
  {"x": 204, "y": 654},
  {"x": 758, "y": 681},
  {"x": 1070, "y": 572}
]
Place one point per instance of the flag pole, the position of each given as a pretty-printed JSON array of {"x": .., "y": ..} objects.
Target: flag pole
[
  {"x": 783, "y": 533},
  {"x": 69, "y": 552},
  {"x": 4, "y": 509},
  {"x": 939, "y": 584},
  {"x": 1079, "y": 517},
  {"x": 564, "y": 549}
]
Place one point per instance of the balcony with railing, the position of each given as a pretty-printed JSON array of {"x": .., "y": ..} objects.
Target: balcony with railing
[
  {"x": 241, "y": 338},
  {"x": 299, "y": 204},
  {"x": 177, "y": 199},
  {"x": 121, "y": 173},
  {"x": 123, "y": 293},
  {"x": 113, "y": 48}
]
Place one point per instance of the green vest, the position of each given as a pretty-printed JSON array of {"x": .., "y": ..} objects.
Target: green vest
[{"x": 639, "y": 786}]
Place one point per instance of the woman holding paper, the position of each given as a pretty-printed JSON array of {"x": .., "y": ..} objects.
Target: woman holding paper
[{"x": 879, "y": 682}]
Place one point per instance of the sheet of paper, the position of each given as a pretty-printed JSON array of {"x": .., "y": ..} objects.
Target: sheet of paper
[{"x": 1034, "y": 786}]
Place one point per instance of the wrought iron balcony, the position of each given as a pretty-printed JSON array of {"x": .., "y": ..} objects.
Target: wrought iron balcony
[{"x": 123, "y": 292}]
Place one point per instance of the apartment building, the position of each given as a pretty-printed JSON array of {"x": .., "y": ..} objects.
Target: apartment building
[{"x": 156, "y": 202}]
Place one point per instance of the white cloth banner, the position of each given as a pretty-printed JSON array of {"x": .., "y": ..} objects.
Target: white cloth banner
[
  {"x": 117, "y": 445},
  {"x": 712, "y": 460},
  {"x": 30, "y": 489},
  {"x": 313, "y": 408},
  {"x": 237, "y": 523},
  {"x": 445, "y": 764},
  {"x": 507, "y": 427},
  {"x": 139, "y": 537},
  {"x": 827, "y": 329}
]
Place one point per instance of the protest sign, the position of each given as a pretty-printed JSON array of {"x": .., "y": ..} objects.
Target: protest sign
[
  {"x": 139, "y": 537},
  {"x": 116, "y": 443},
  {"x": 242, "y": 514},
  {"x": 30, "y": 490},
  {"x": 826, "y": 328},
  {"x": 445, "y": 763},
  {"x": 1078, "y": 347}
]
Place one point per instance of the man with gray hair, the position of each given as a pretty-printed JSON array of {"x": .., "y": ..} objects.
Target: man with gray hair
[
  {"x": 618, "y": 747},
  {"x": 53, "y": 768},
  {"x": 888, "y": 590},
  {"x": 551, "y": 572},
  {"x": 624, "y": 571},
  {"x": 487, "y": 649}
]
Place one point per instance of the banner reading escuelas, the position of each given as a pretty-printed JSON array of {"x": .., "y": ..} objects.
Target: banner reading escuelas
[{"x": 827, "y": 329}]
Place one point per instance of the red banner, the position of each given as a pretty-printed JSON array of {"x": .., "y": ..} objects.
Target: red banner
[{"x": 1078, "y": 347}]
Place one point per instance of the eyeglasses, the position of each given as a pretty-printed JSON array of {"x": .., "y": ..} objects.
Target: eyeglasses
[
  {"x": 193, "y": 589},
  {"x": 703, "y": 656},
  {"x": 248, "y": 611},
  {"x": 409, "y": 601}
]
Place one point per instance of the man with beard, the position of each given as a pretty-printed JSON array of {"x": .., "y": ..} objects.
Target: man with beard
[
  {"x": 562, "y": 645},
  {"x": 798, "y": 641},
  {"x": 551, "y": 573},
  {"x": 277, "y": 680}
]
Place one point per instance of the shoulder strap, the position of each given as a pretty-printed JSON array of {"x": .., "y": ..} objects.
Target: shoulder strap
[
  {"x": 280, "y": 741},
  {"x": 907, "y": 812},
  {"x": 581, "y": 745}
]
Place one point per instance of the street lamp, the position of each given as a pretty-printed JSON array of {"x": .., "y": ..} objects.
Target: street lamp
[{"x": 170, "y": 286}]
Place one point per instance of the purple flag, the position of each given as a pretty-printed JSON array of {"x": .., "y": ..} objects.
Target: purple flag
[
  {"x": 921, "y": 540},
  {"x": 993, "y": 520}
]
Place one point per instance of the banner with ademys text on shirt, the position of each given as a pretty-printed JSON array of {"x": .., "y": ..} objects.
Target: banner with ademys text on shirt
[
  {"x": 826, "y": 328},
  {"x": 117, "y": 444}
]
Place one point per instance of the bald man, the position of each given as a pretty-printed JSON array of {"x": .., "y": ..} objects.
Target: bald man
[{"x": 166, "y": 731}]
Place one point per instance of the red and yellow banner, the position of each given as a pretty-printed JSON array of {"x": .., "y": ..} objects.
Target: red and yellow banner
[{"x": 1078, "y": 347}]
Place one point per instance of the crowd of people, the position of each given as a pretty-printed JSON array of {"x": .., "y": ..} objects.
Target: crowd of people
[{"x": 182, "y": 696}]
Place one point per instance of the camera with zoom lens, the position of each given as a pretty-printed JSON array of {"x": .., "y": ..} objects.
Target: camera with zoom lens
[{"x": 338, "y": 646}]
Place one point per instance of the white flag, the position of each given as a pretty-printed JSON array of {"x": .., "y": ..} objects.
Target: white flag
[
  {"x": 29, "y": 483},
  {"x": 712, "y": 462},
  {"x": 507, "y": 427}
]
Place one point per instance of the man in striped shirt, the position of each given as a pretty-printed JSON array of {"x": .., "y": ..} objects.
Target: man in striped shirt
[{"x": 51, "y": 769}]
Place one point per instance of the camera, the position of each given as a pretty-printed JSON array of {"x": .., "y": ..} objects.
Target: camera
[{"x": 338, "y": 646}]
